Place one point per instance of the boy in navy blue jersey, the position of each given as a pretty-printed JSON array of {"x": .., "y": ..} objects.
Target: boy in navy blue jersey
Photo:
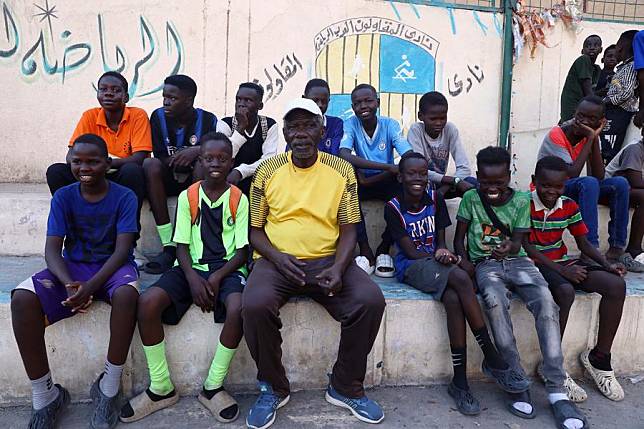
[
  {"x": 373, "y": 138},
  {"x": 177, "y": 128},
  {"x": 89, "y": 255},
  {"x": 318, "y": 91},
  {"x": 417, "y": 223}
]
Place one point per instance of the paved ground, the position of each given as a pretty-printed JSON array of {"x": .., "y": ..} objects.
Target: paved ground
[{"x": 407, "y": 407}]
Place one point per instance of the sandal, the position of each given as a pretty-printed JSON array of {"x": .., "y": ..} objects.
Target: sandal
[
  {"x": 566, "y": 409},
  {"x": 142, "y": 405},
  {"x": 575, "y": 392},
  {"x": 466, "y": 403},
  {"x": 605, "y": 380},
  {"x": 363, "y": 263},
  {"x": 159, "y": 264},
  {"x": 385, "y": 266},
  {"x": 509, "y": 379},
  {"x": 220, "y": 402},
  {"x": 520, "y": 397}
]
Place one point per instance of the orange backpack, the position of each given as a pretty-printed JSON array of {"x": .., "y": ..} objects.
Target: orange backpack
[{"x": 193, "y": 200}]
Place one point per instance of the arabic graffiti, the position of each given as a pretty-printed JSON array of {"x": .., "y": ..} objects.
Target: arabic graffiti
[
  {"x": 374, "y": 25},
  {"x": 455, "y": 85},
  {"x": 288, "y": 67},
  {"x": 38, "y": 57}
]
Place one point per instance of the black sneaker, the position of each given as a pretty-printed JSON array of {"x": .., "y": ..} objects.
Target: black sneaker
[
  {"x": 45, "y": 418},
  {"x": 106, "y": 410}
]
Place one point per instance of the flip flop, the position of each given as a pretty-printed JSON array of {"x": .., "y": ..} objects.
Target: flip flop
[
  {"x": 142, "y": 406},
  {"x": 566, "y": 409},
  {"x": 159, "y": 264},
  {"x": 520, "y": 397},
  {"x": 385, "y": 266},
  {"x": 220, "y": 402},
  {"x": 363, "y": 263}
]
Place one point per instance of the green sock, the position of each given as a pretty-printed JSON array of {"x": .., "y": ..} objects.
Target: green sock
[
  {"x": 165, "y": 234},
  {"x": 160, "y": 382},
  {"x": 219, "y": 367}
]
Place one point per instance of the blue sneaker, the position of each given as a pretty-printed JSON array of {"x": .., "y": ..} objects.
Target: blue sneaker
[
  {"x": 263, "y": 412},
  {"x": 365, "y": 409}
]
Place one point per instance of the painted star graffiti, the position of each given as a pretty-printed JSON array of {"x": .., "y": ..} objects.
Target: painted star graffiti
[{"x": 47, "y": 13}]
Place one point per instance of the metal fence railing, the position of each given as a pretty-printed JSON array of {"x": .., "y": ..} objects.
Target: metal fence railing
[
  {"x": 628, "y": 11},
  {"x": 486, "y": 5}
]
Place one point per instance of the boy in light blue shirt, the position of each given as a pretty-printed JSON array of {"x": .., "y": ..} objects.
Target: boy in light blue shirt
[{"x": 373, "y": 139}]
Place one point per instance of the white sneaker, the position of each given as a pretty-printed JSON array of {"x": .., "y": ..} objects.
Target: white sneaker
[{"x": 605, "y": 380}]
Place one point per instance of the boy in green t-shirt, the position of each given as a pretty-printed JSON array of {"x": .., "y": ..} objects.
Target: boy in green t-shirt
[
  {"x": 582, "y": 77},
  {"x": 500, "y": 264},
  {"x": 212, "y": 248}
]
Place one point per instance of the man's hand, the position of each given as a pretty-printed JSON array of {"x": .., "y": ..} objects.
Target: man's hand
[
  {"x": 468, "y": 267},
  {"x": 330, "y": 280},
  {"x": 574, "y": 273},
  {"x": 290, "y": 267},
  {"x": 234, "y": 177},
  {"x": 638, "y": 119},
  {"x": 502, "y": 250},
  {"x": 617, "y": 268},
  {"x": 464, "y": 186},
  {"x": 393, "y": 169},
  {"x": 591, "y": 133},
  {"x": 79, "y": 296},
  {"x": 214, "y": 280},
  {"x": 445, "y": 257},
  {"x": 184, "y": 157},
  {"x": 199, "y": 291},
  {"x": 241, "y": 115}
]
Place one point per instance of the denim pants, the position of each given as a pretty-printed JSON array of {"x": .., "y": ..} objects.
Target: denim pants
[
  {"x": 496, "y": 280},
  {"x": 588, "y": 191}
]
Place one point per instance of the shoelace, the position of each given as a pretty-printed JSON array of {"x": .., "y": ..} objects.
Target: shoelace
[{"x": 267, "y": 400}]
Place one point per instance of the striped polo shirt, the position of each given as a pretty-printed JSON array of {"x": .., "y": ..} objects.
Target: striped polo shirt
[{"x": 548, "y": 225}]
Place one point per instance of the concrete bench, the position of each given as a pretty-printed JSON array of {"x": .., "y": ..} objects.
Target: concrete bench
[{"x": 412, "y": 347}]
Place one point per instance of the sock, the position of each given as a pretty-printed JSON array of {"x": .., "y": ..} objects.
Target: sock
[
  {"x": 111, "y": 380},
  {"x": 160, "y": 383},
  {"x": 165, "y": 234},
  {"x": 43, "y": 392},
  {"x": 490, "y": 352},
  {"x": 219, "y": 367},
  {"x": 600, "y": 360},
  {"x": 521, "y": 402},
  {"x": 568, "y": 423},
  {"x": 459, "y": 362}
]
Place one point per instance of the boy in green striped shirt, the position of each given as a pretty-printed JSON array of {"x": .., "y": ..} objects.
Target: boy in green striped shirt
[{"x": 211, "y": 232}]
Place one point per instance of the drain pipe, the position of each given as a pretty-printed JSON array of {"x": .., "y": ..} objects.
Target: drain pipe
[{"x": 506, "y": 86}]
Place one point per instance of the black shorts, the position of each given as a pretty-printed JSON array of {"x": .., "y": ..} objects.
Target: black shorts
[
  {"x": 172, "y": 186},
  {"x": 175, "y": 284},
  {"x": 555, "y": 279}
]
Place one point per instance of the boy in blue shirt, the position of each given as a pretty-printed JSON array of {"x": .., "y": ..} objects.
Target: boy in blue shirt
[
  {"x": 373, "y": 138},
  {"x": 417, "y": 222},
  {"x": 318, "y": 91},
  {"x": 89, "y": 255}
]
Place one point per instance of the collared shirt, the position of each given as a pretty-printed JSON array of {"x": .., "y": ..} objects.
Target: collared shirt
[
  {"x": 379, "y": 148},
  {"x": 133, "y": 134},
  {"x": 555, "y": 143},
  {"x": 547, "y": 225},
  {"x": 621, "y": 91}
]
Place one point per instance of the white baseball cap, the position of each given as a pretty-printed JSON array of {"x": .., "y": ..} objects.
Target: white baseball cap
[{"x": 303, "y": 104}]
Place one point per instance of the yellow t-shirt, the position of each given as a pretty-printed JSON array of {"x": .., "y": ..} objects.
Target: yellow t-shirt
[{"x": 301, "y": 209}]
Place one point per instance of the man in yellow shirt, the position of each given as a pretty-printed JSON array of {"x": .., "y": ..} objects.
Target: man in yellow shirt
[{"x": 304, "y": 211}]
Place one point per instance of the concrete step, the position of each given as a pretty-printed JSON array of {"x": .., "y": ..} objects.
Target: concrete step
[
  {"x": 23, "y": 221},
  {"x": 412, "y": 347}
]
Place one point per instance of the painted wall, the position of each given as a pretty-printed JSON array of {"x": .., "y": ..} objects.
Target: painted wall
[
  {"x": 49, "y": 61},
  {"x": 52, "y": 52}
]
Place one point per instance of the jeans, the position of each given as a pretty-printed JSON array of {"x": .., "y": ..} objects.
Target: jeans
[
  {"x": 496, "y": 280},
  {"x": 588, "y": 191}
]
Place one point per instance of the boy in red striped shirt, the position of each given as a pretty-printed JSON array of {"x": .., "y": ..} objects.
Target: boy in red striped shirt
[{"x": 551, "y": 213}]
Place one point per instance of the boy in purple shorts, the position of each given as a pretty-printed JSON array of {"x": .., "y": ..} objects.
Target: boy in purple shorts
[{"x": 89, "y": 254}]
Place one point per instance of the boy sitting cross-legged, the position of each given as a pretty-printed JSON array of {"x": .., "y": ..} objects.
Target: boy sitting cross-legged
[
  {"x": 495, "y": 219},
  {"x": 551, "y": 214},
  {"x": 417, "y": 223},
  {"x": 93, "y": 223},
  {"x": 211, "y": 232}
]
